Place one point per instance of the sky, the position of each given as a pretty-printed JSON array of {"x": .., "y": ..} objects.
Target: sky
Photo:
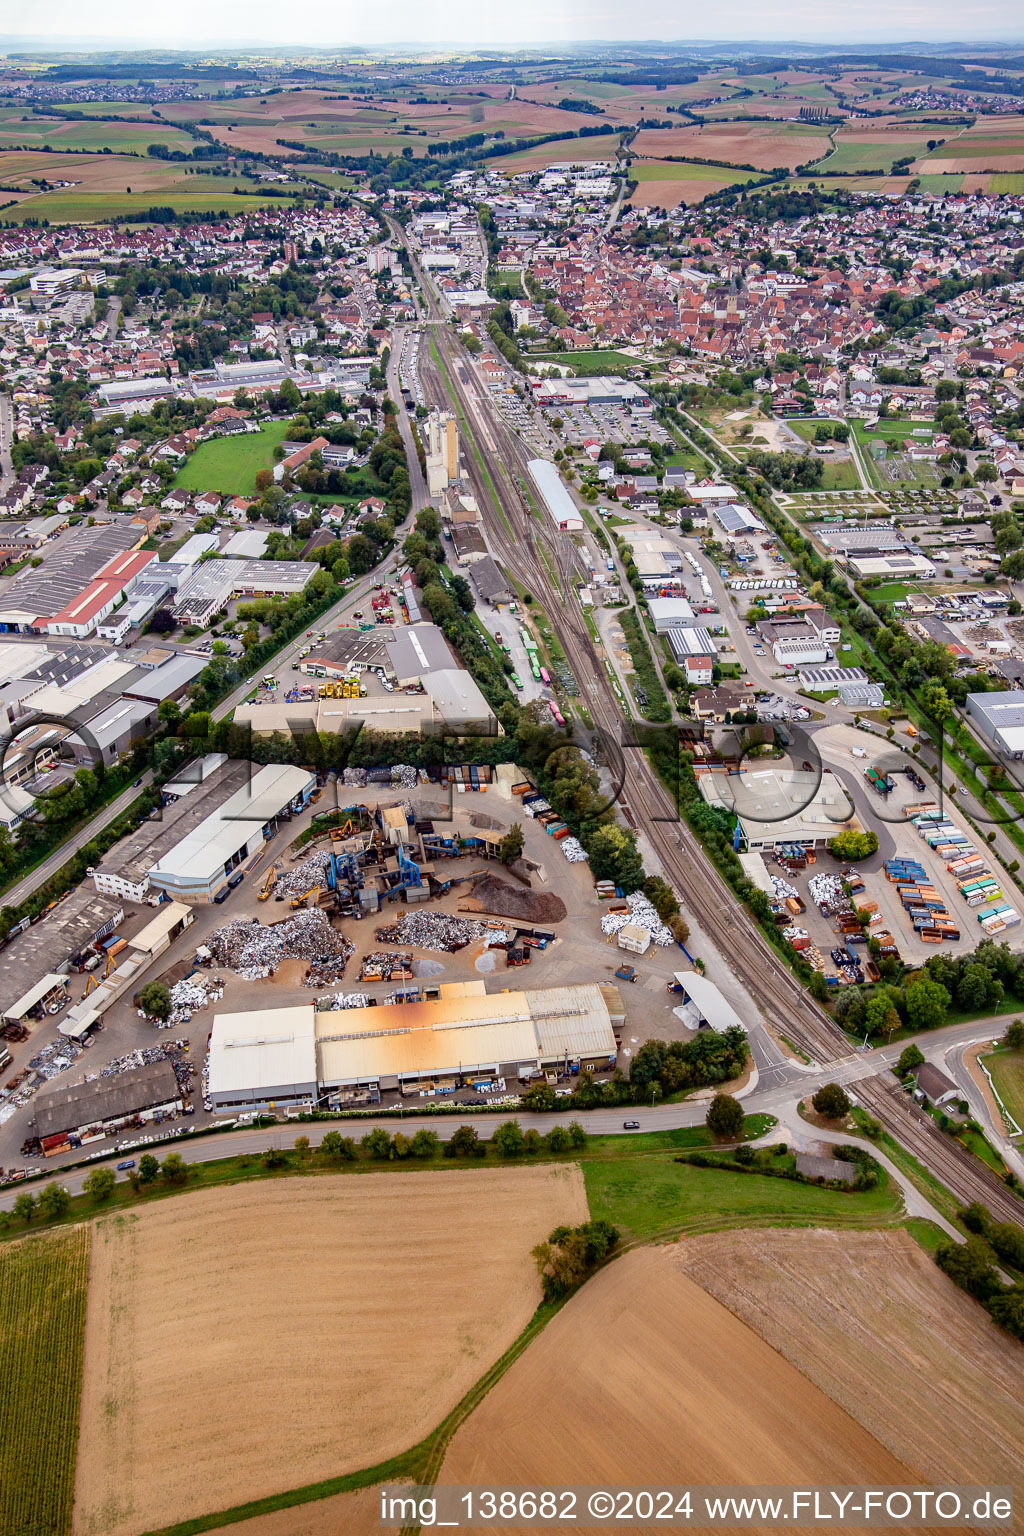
[{"x": 195, "y": 24}]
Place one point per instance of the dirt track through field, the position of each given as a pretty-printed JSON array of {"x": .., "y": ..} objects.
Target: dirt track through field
[
  {"x": 251, "y": 1339},
  {"x": 872, "y": 1320},
  {"x": 644, "y": 1378}
]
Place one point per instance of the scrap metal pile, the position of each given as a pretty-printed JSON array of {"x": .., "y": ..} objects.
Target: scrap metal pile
[
  {"x": 828, "y": 895},
  {"x": 305, "y": 876},
  {"x": 782, "y": 888},
  {"x": 398, "y": 773},
  {"x": 641, "y": 914},
  {"x": 441, "y": 932},
  {"x": 55, "y": 1058},
  {"x": 253, "y": 952},
  {"x": 382, "y": 965},
  {"x": 343, "y": 1000},
  {"x": 573, "y": 850},
  {"x": 187, "y": 996}
]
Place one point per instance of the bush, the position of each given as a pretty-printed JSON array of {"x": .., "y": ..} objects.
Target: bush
[{"x": 831, "y": 1101}]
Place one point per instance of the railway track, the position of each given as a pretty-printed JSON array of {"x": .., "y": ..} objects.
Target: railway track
[
  {"x": 963, "y": 1174},
  {"x": 517, "y": 536}
]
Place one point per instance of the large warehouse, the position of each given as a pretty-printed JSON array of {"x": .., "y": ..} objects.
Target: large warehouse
[
  {"x": 775, "y": 806},
  {"x": 1000, "y": 717},
  {"x": 560, "y": 505},
  {"x": 294, "y": 1055},
  {"x": 198, "y": 867}
]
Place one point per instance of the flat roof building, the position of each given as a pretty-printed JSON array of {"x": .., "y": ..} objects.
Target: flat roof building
[
  {"x": 775, "y": 806},
  {"x": 197, "y": 868},
  {"x": 294, "y": 1054},
  {"x": 890, "y": 566},
  {"x": 1000, "y": 717},
  {"x": 107, "y": 1100}
]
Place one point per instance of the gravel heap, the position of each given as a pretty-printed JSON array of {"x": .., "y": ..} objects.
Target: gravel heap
[
  {"x": 440, "y": 931},
  {"x": 642, "y": 915}
]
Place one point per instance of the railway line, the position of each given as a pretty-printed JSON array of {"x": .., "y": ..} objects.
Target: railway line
[
  {"x": 517, "y": 537},
  {"x": 963, "y": 1174}
]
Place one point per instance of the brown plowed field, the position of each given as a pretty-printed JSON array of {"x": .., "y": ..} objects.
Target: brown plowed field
[
  {"x": 871, "y": 1319},
  {"x": 254, "y": 1338},
  {"x": 644, "y": 1378},
  {"x": 762, "y": 145}
]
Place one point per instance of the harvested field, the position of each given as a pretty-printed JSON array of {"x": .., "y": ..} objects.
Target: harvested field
[
  {"x": 870, "y": 1318},
  {"x": 501, "y": 899},
  {"x": 346, "y": 1514},
  {"x": 691, "y": 1394},
  {"x": 94, "y": 173},
  {"x": 600, "y": 147},
  {"x": 763, "y": 145},
  {"x": 666, "y": 184},
  {"x": 289, "y": 1299}
]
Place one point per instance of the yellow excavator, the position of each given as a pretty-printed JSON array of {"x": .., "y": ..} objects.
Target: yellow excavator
[
  {"x": 300, "y": 901},
  {"x": 337, "y": 833},
  {"x": 269, "y": 883}
]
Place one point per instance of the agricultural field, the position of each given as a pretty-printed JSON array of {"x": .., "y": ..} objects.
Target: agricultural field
[
  {"x": 692, "y": 1392},
  {"x": 1007, "y": 1069},
  {"x": 868, "y": 1318},
  {"x": 991, "y": 144},
  {"x": 664, "y": 184},
  {"x": 19, "y": 128},
  {"x": 313, "y": 1327},
  {"x": 74, "y": 207},
  {"x": 875, "y": 149},
  {"x": 132, "y": 109},
  {"x": 582, "y": 151},
  {"x": 92, "y": 173},
  {"x": 230, "y": 464},
  {"x": 765, "y": 146},
  {"x": 42, "y": 1325}
]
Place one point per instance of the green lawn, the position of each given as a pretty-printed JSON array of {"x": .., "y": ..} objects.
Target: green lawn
[
  {"x": 921, "y": 431},
  {"x": 655, "y": 1194},
  {"x": 686, "y": 170},
  {"x": 1007, "y": 1069},
  {"x": 230, "y": 464},
  {"x": 840, "y": 476},
  {"x": 873, "y": 155},
  {"x": 585, "y": 363}
]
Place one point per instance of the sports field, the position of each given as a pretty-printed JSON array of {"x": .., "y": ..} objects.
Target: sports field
[
  {"x": 250, "y": 1339},
  {"x": 230, "y": 464}
]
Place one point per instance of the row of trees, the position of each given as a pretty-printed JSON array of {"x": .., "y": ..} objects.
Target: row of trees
[{"x": 972, "y": 1265}]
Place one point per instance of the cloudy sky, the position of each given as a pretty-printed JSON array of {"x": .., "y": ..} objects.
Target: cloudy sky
[{"x": 333, "y": 23}]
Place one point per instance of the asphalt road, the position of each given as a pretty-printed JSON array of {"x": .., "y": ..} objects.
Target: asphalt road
[{"x": 774, "y": 1091}]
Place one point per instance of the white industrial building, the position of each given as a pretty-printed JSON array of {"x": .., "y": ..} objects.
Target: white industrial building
[
  {"x": 1000, "y": 717},
  {"x": 198, "y": 867},
  {"x": 704, "y": 1006},
  {"x": 669, "y": 612},
  {"x": 776, "y": 806},
  {"x": 296, "y": 1055},
  {"x": 560, "y": 505}
]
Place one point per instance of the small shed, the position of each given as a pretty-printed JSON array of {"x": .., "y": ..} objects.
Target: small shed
[
  {"x": 825, "y": 1167},
  {"x": 635, "y": 939}
]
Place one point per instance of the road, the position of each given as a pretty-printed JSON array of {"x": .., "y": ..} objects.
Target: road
[
  {"x": 773, "y": 1092},
  {"x": 6, "y": 440}
]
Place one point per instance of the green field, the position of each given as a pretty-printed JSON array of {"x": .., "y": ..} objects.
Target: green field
[
  {"x": 102, "y": 207},
  {"x": 685, "y": 170},
  {"x": 876, "y": 155},
  {"x": 1007, "y": 1069},
  {"x": 43, "y": 1283},
  {"x": 893, "y": 430},
  {"x": 892, "y": 592},
  {"x": 841, "y": 476},
  {"x": 586, "y": 363},
  {"x": 1007, "y": 181},
  {"x": 37, "y": 132},
  {"x": 645, "y": 1196},
  {"x": 133, "y": 109},
  {"x": 950, "y": 182},
  {"x": 230, "y": 464}
]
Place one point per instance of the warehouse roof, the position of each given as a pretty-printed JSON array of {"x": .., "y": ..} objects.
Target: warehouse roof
[
  {"x": 782, "y": 805},
  {"x": 208, "y": 846},
  {"x": 73, "y": 923},
  {"x": 462, "y": 1032},
  {"x": 272, "y": 1049},
  {"x": 167, "y": 680},
  {"x": 105, "y": 587},
  {"x": 457, "y": 699},
  {"x": 707, "y": 1002},
  {"x": 59, "y": 580},
  {"x": 134, "y": 856},
  {"x": 106, "y": 1098},
  {"x": 392, "y": 712},
  {"x": 417, "y": 650},
  {"x": 559, "y": 503}
]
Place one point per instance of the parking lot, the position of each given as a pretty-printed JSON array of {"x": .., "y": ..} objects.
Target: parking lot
[{"x": 610, "y": 423}]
